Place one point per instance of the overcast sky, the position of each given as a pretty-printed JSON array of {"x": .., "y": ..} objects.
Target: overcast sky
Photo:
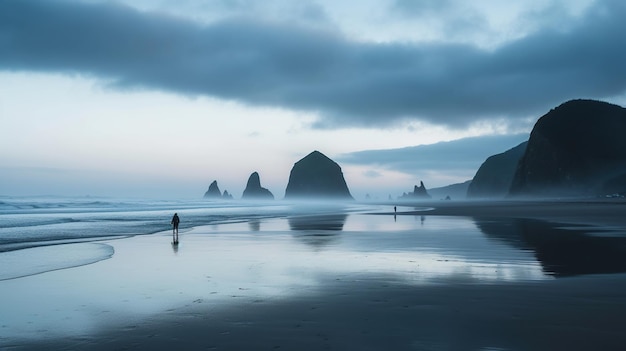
[{"x": 159, "y": 98}]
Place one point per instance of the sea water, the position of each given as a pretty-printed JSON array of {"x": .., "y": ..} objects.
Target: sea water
[
  {"x": 35, "y": 231},
  {"x": 40, "y": 221}
]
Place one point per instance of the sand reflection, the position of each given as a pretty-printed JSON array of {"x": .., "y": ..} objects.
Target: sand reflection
[
  {"x": 561, "y": 250},
  {"x": 421, "y": 249},
  {"x": 318, "y": 231}
]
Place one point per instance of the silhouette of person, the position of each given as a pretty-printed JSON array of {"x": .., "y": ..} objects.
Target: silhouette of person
[{"x": 175, "y": 221}]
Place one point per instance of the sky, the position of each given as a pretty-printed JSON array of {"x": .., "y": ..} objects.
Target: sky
[{"x": 157, "y": 99}]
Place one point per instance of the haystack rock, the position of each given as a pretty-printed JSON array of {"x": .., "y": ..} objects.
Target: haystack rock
[
  {"x": 254, "y": 190},
  {"x": 495, "y": 175},
  {"x": 213, "y": 192},
  {"x": 576, "y": 149},
  {"x": 317, "y": 176}
]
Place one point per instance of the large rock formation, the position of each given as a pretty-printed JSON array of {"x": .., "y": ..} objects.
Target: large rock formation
[
  {"x": 576, "y": 149},
  {"x": 213, "y": 192},
  {"x": 254, "y": 190},
  {"x": 495, "y": 175},
  {"x": 419, "y": 192},
  {"x": 316, "y": 176}
]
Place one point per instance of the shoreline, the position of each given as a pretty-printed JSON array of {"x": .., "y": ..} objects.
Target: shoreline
[
  {"x": 576, "y": 211},
  {"x": 336, "y": 281}
]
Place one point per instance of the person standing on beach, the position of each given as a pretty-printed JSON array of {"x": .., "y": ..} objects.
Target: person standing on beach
[{"x": 175, "y": 221}]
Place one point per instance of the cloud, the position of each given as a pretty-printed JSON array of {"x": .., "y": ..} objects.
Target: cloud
[
  {"x": 372, "y": 174},
  {"x": 462, "y": 155},
  {"x": 423, "y": 8},
  {"x": 343, "y": 82},
  {"x": 454, "y": 18}
]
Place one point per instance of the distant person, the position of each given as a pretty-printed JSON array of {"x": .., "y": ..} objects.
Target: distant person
[
  {"x": 175, "y": 221},
  {"x": 395, "y": 209}
]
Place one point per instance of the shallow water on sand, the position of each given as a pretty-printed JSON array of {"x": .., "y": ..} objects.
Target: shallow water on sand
[{"x": 281, "y": 257}]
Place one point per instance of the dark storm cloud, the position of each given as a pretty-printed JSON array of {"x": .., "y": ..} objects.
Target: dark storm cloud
[
  {"x": 346, "y": 82},
  {"x": 457, "y": 155}
]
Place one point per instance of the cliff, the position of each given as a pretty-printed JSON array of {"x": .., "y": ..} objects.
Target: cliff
[
  {"x": 576, "y": 149},
  {"x": 495, "y": 175}
]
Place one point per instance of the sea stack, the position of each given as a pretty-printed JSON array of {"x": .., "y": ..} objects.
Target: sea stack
[
  {"x": 317, "y": 176},
  {"x": 213, "y": 192},
  {"x": 419, "y": 192},
  {"x": 254, "y": 190},
  {"x": 576, "y": 149}
]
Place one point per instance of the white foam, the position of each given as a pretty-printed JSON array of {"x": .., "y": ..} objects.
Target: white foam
[{"x": 22, "y": 263}]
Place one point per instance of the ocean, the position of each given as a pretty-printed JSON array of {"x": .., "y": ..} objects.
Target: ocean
[{"x": 27, "y": 222}]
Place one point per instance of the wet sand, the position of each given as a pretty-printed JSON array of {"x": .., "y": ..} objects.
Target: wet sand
[
  {"x": 583, "y": 211},
  {"x": 460, "y": 277},
  {"x": 381, "y": 314}
]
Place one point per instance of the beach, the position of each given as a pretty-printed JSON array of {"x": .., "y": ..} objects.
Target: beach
[{"x": 507, "y": 275}]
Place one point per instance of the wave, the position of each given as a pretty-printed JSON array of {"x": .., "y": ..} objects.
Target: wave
[
  {"x": 37, "y": 260},
  {"x": 28, "y": 222},
  {"x": 31, "y": 222}
]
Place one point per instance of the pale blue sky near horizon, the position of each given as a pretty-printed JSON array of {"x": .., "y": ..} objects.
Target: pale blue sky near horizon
[{"x": 158, "y": 98}]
